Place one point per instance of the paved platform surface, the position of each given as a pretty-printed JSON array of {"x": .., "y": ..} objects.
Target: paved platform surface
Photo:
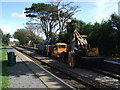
[{"x": 26, "y": 74}]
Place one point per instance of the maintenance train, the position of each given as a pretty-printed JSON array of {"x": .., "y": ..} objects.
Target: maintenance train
[{"x": 77, "y": 53}]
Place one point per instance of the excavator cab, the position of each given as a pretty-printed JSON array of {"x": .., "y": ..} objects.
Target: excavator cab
[{"x": 59, "y": 48}]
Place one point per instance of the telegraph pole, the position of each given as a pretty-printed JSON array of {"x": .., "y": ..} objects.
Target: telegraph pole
[{"x": 119, "y": 8}]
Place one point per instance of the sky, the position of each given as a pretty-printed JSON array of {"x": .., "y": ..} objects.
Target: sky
[{"x": 12, "y": 12}]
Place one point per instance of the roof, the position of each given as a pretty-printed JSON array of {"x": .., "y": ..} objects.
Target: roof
[
  {"x": 61, "y": 44},
  {"x": 45, "y": 42},
  {"x": 84, "y": 35}
]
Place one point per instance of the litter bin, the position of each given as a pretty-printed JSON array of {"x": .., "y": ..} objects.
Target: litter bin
[{"x": 11, "y": 58}]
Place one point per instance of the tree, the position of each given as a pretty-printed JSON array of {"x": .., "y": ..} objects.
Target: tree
[
  {"x": 64, "y": 37},
  {"x": 52, "y": 17},
  {"x": 35, "y": 39},
  {"x": 1, "y": 35},
  {"x": 6, "y": 39},
  {"x": 65, "y": 10},
  {"x": 115, "y": 22},
  {"x": 34, "y": 28},
  {"x": 106, "y": 38},
  {"x": 92, "y": 32},
  {"x": 22, "y": 35},
  {"x": 44, "y": 14},
  {"x": 104, "y": 35},
  {"x": 101, "y": 35},
  {"x": 71, "y": 26}
]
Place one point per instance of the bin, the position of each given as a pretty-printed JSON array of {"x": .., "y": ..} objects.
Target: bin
[{"x": 11, "y": 58}]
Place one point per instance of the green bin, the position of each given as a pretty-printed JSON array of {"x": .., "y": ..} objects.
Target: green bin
[{"x": 11, "y": 58}]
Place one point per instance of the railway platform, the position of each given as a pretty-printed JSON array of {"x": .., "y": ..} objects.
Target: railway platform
[
  {"x": 91, "y": 75},
  {"x": 28, "y": 74}
]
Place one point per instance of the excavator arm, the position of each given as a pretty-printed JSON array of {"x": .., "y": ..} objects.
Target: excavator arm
[
  {"x": 84, "y": 55},
  {"x": 79, "y": 37},
  {"x": 71, "y": 54}
]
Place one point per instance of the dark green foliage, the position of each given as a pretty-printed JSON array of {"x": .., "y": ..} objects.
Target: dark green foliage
[
  {"x": 71, "y": 26},
  {"x": 1, "y": 35},
  {"x": 35, "y": 39},
  {"x": 104, "y": 35},
  {"x": 46, "y": 15},
  {"x": 40, "y": 9},
  {"x": 101, "y": 35},
  {"x": 6, "y": 39},
  {"x": 64, "y": 37},
  {"x": 115, "y": 21},
  {"x": 52, "y": 17},
  {"x": 106, "y": 38},
  {"x": 22, "y": 35}
]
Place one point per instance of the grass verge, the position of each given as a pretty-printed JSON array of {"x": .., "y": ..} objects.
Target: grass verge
[{"x": 4, "y": 74}]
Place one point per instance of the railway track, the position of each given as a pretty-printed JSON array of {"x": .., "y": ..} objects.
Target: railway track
[
  {"x": 116, "y": 76},
  {"x": 74, "y": 79},
  {"x": 103, "y": 71}
]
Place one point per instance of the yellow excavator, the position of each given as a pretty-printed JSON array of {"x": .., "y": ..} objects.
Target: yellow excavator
[{"x": 80, "y": 53}]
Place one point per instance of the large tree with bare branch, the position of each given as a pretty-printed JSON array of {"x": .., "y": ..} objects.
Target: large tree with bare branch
[
  {"x": 65, "y": 10},
  {"x": 52, "y": 17},
  {"x": 34, "y": 27}
]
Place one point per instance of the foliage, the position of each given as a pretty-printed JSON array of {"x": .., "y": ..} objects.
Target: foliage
[
  {"x": 104, "y": 35},
  {"x": 35, "y": 39},
  {"x": 6, "y": 38},
  {"x": 22, "y": 35},
  {"x": 65, "y": 11},
  {"x": 1, "y": 35},
  {"x": 64, "y": 37},
  {"x": 52, "y": 17},
  {"x": 115, "y": 22},
  {"x": 36, "y": 33},
  {"x": 105, "y": 38},
  {"x": 71, "y": 26},
  {"x": 43, "y": 13},
  {"x": 34, "y": 28}
]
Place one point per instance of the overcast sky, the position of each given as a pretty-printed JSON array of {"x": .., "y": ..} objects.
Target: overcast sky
[{"x": 13, "y": 18}]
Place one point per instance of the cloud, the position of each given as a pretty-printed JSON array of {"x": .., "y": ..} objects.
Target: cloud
[
  {"x": 104, "y": 8},
  {"x": 20, "y": 15},
  {"x": 11, "y": 28},
  {"x": 6, "y": 29}
]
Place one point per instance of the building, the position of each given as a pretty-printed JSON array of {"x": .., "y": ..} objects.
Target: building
[{"x": 119, "y": 8}]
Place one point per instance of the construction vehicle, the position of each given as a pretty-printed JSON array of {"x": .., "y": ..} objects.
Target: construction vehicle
[
  {"x": 52, "y": 50},
  {"x": 77, "y": 53},
  {"x": 80, "y": 53},
  {"x": 45, "y": 47},
  {"x": 58, "y": 49}
]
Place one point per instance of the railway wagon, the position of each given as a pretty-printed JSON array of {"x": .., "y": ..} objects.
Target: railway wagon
[
  {"x": 49, "y": 49},
  {"x": 45, "y": 47},
  {"x": 79, "y": 52}
]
